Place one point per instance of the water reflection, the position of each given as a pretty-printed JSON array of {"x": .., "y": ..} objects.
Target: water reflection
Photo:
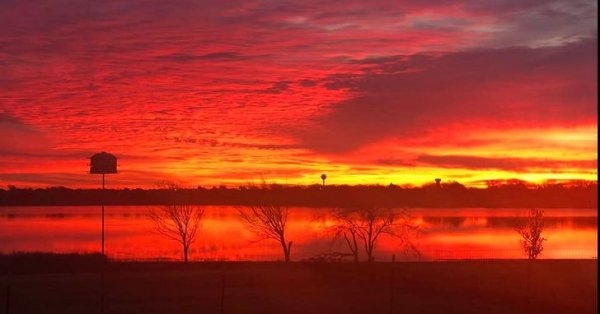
[
  {"x": 510, "y": 222},
  {"x": 445, "y": 233}
]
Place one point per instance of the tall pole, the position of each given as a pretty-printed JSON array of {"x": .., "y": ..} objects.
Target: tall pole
[
  {"x": 103, "y": 163},
  {"x": 102, "y": 265},
  {"x": 102, "y": 201}
]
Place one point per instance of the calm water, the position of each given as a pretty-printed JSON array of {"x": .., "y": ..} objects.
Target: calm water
[{"x": 445, "y": 233}]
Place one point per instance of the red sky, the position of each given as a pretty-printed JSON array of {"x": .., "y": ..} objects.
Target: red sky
[{"x": 226, "y": 92}]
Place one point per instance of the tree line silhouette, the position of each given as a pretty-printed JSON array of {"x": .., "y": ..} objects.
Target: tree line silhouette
[
  {"x": 498, "y": 194},
  {"x": 268, "y": 221}
]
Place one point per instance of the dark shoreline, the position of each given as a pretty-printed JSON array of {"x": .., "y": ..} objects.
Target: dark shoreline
[
  {"x": 47, "y": 263},
  {"x": 446, "y": 196}
]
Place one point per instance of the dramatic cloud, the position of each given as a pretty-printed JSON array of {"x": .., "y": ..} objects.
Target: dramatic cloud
[
  {"x": 511, "y": 164},
  {"x": 211, "y": 92},
  {"x": 412, "y": 95},
  {"x": 18, "y": 138}
]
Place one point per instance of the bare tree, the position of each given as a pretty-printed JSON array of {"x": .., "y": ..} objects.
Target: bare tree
[
  {"x": 345, "y": 227},
  {"x": 377, "y": 221},
  {"x": 532, "y": 241},
  {"x": 268, "y": 222},
  {"x": 367, "y": 225},
  {"x": 178, "y": 222}
]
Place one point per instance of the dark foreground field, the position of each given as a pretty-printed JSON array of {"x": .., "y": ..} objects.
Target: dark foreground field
[{"x": 428, "y": 287}]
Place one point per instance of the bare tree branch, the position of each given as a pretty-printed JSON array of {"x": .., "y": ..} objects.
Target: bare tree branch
[
  {"x": 268, "y": 222},
  {"x": 532, "y": 241},
  {"x": 367, "y": 225},
  {"x": 177, "y": 222}
]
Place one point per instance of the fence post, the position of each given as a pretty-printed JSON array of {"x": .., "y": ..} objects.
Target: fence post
[
  {"x": 223, "y": 291},
  {"x": 392, "y": 284},
  {"x": 102, "y": 291},
  {"x": 8, "y": 298},
  {"x": 8, "y": 291},
  {"x": 102, "y": 284}
]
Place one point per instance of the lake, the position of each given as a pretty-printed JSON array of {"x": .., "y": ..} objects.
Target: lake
[{"x": 468, "y": 233}]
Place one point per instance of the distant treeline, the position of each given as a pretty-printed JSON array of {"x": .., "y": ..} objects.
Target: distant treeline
[{"x": 513, "y": 193}]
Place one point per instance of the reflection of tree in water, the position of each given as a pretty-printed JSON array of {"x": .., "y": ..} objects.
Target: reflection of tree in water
[
  {"x": 549, "y": 222},
  {"x": 445, "y": 221},
  {"x": 506, "y": 222},
  {"x": 513, "y": 222},
  {"x": 58, "y": 216}
]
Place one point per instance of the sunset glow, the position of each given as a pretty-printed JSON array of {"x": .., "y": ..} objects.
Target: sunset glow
[
  {"x": 227, "y": 92},
  {"x": 298, "y": 156}
]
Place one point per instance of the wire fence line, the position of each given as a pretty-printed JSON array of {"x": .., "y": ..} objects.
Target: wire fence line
[{"x": 424, "y": 256}]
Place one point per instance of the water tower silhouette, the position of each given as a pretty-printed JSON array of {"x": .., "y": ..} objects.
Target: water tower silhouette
[
  {"x": 323, "y": 177},
  {"x": 103, "y": 163}
]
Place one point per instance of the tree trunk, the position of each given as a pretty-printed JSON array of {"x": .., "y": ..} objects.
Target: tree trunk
[
  {"x": 368, "y": 250},
  {"x": 370, "y": 254},
  {"x": 185, "y": 253},
  {"x": 286, "y": 250},
  {"x": 369, "y": 243},
  {"x": 352, "y": 245},
  {"x": 355, "y": 252}
]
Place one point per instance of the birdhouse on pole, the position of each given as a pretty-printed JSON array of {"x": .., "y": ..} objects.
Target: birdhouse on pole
[{"x": 103, "y": 163}]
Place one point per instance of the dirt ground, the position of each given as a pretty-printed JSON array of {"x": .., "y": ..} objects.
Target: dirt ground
[{"x": 546, "y": 286}]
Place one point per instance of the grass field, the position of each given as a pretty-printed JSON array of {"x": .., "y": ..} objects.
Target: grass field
[{"x": 546, "y": 286}]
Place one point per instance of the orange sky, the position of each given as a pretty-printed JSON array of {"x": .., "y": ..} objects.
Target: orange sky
[{"x": 226, "y": 92}]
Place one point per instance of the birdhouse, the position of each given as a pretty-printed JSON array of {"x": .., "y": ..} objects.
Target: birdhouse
[{"x": 103, "y": 163}]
